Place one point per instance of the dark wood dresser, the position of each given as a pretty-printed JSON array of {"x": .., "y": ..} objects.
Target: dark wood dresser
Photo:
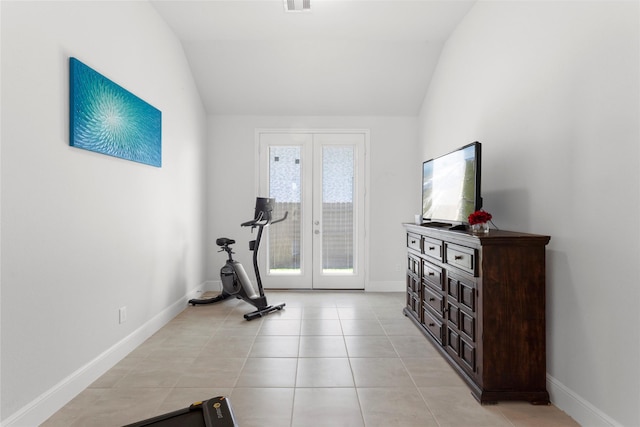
[{"x": 481, "y": 301}]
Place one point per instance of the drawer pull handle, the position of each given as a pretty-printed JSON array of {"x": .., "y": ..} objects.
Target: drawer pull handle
[
  {"x": 413, "y": 242},
  {"x": 431, "y": 325},
  {"x": 432, "y": 248},
  {"x": 457, "y": 257},
  {"x": 431, "y": 273},
  {"x": 432, "y": 299}
]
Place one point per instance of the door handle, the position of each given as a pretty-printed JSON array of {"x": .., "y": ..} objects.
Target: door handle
[{"x": 316, "y": 232}]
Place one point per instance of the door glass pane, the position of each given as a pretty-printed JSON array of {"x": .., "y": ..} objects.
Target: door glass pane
[
  {"x": 337, "y": 210},
  {"x": 285, "y": 186}
]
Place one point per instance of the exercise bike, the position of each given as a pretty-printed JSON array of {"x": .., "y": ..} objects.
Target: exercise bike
[{"x": 235, "y": 281}]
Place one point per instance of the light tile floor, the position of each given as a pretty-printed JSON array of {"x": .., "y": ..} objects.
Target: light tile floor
[{"x": 328, "y": 359}]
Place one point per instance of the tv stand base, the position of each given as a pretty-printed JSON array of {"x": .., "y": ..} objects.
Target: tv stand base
[
  {"x": 436, "y": 224},
  {"x": 448, "y": 226},
  {"x": 459, "y": 227}
]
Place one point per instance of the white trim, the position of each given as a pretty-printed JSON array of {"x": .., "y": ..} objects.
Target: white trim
[
  {"x": 385, "y": 286},
  {"x": 577, "y": 407},
  {"x": 48, "y": 403}
]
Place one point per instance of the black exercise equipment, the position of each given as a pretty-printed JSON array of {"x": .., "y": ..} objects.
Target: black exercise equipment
[
  {"x": 235, "y": 281},
  {"x": 215, "y": 412}
]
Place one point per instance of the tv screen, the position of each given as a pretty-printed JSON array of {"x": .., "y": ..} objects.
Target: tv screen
[{"x": 451, "y": 185}]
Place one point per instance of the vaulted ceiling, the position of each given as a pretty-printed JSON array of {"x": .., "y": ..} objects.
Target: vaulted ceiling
[{"x": 344, "y": 57}]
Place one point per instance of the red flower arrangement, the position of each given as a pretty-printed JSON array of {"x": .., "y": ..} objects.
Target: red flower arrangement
[{"x": 479, "y": 217}]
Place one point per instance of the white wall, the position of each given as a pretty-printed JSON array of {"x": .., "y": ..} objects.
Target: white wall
[
  {"x": 551, "y": 89},
  {"x": 82, "y": 233},
  {"x": 394, "y": 189}
]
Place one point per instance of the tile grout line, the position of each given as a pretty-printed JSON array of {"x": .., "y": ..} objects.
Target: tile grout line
[
  {"x": 413, "y": 381},
  {"x": 295, "y": 383},
  {"x": 353, "y": 376}
]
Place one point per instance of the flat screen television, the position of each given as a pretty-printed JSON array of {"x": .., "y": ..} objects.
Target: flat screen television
[{"x": 451, "y": 186}]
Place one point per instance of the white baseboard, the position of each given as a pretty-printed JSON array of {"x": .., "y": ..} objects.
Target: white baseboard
[
  {"x": 385, "y": 286},
  {"x": 47, "y": 404},
  {"x": 583, "y": 412},
  {"x": 379, "y": 286}
]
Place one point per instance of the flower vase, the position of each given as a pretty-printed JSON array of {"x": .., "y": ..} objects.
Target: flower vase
[{"x": 480, "y": 228}]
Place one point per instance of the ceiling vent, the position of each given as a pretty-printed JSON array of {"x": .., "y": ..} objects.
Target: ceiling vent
[{"x": 297, "y": 5}]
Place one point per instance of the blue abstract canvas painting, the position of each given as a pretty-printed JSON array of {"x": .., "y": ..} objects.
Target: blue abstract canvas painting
[{"x": 108, "y": 119}]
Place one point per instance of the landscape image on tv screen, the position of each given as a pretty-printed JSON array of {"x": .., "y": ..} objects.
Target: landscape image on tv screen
[{"x": 449, "y": 186}]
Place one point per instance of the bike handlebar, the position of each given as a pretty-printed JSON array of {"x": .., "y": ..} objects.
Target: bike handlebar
[
  {"x": 286, "y": 213},
  {"x": 256, "y": 222}
]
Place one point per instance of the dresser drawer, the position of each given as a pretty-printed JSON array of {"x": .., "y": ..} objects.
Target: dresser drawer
[
  {"x": 462, "y": 257},
  {"x": 433, "y": 300},
  {"x": 413, "y": 264},
  {"x": 413, "y": 284},
  {"x": 414, "y": 241},
  {"x": 432, "y": 275},
  {"x": 432, "y": 248},
  {"x": 413, "y": 303},
  {"x": 433, "y": 325}
]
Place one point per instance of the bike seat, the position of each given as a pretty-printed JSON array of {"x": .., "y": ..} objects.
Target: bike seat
[{"x": 223, "y": 241}]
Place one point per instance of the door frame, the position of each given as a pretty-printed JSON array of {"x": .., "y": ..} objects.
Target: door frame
[{"x": 367, "y": 180}]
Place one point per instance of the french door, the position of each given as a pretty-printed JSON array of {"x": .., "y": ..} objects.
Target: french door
[{"x": 319, "y": 178}]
